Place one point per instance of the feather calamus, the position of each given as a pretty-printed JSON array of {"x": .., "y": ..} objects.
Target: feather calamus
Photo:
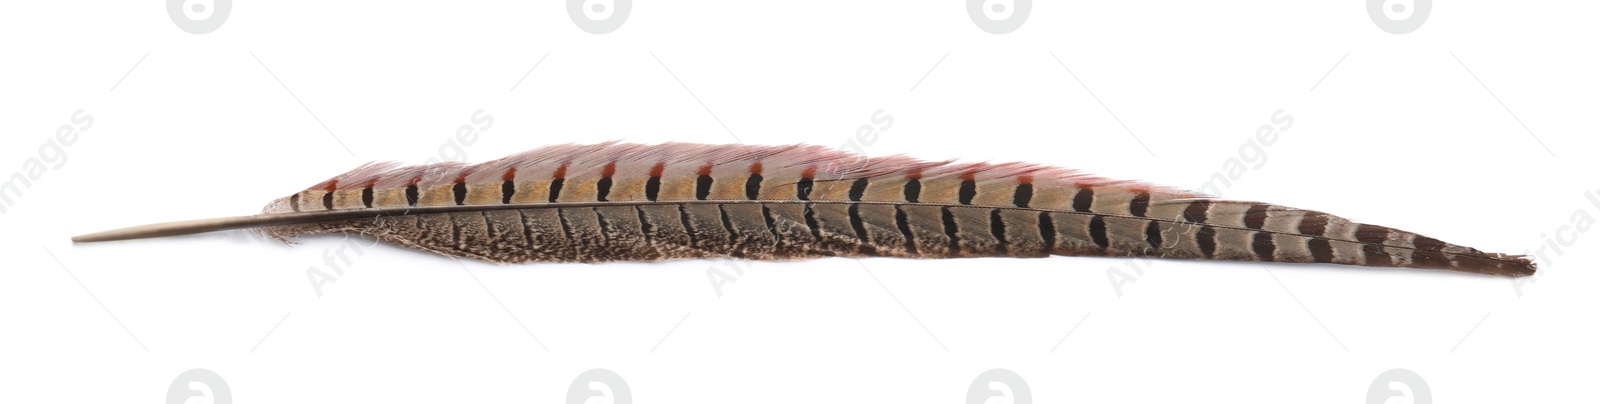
[{"x": 617, "y": 201}]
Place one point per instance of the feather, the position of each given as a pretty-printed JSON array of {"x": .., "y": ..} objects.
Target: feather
[{"x": 618, "y": 201}]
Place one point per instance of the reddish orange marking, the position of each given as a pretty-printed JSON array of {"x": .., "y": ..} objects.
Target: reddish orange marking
[
  {"x": 704, "y": 170},
  {"x": 914, "y": 175},
  {"x": 332, "y": 184},
  {"x": 755, "y": 168},
  {"x": 510, "y": 174},
  {"x": 1025, "y": 179},
  {"x": 461, "y": 178},
  {"x": 969, "y": 176},
  {"x": 561, "y": 172},
  {"x": 809, "y": 173},
  {"x": 609, "y": 169},
  {"x": 655, "y": 171},
  {"x": 414, "y": 180}
]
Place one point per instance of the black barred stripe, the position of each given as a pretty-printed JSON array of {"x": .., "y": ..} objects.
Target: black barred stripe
[
  {"x": 1023, "y": 196},
  {"x": 1097, "y": 231},
  {"x": 803, "y": 189},
  {"x": 683, "y": 219},
  {"x": 294, "y": 202},
  {"x": 969, "y": 189},
  {"x": 858, "y": 188},
  {"x": 1206, "y": 238},
  {"x": 1047, "y": 232},
  {"x": 1367, "y": 233},
  {"x": 811, "y": 222},
  {"x": 1425, "y": 243},
  {"x": 702, "y": 187},
  {"x": 997, "y": 227},
  {"x": 602, "y": 188},
  {"x": 772, "y": 225},
  {"x": 1152, "y": 235},
  {"x": 652, "y": 188},
  {"x": 327, "y": 200},
  {"x": 856, "y": 224},
  {"x": 1376, "y": 256},
  {"x": 507, "y": 190},
  {"x": 901, "y": 223},
  {"x": 949, "y": 221},
  {"x": 460, "y": 191},
  {"x": 411, "y": 195},
  {"x": 555, "y": 188},
  {"x": 1430, "y": 259},
  {"x": 566, "y": 229},
  {"x": 645, "y": 228},
  {"x": 1321, "y": 250},
  {"x": 1083, "y": 200},
  {"x": 1256, "y": 217},
  {"x": 752, "y": 187},
  {"x": 1196, "y": 212},
  {"x": 605, "y": 228},
  {"x": 366, "y": 196},
  {"x": 913, "y": 189},
  {"x": 722, "y": 216},
  {"x": 1263, "y": 246},
  {"x": 1139, "y": 204},
  {"x": 1313, "y": 224}
]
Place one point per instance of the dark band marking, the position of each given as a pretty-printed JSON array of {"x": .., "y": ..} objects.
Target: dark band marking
[
  {"x": 1321, "y": 250},
  {"x": 1206, "y": 238},
  {"x": 1376, "y": 256},
  {"x": 508, "y": 186},
  {"x": 566, "y": 229},
  {"x": 949, "y": 221},
  {"x": 683, "y": 218},
  {"x": 811, "y": 221},
  {"x": 1263, "y": 246},
  {"x": 1047, "y": 232},
  {"x": 913, "y": 190},
  {"x": 294, "y": 202},
  {"x": 460, "y": 191},
  {"x": 997, "y": 227},
  {"x": 366, "y": 196},
  {"x": 1196, "y": 212},
  {"x": 412, "y": 195},
  {"x": 856, "y": 224},
  {"x": 1083, "y": 200},
  {"x": 752, "y": 185},
  {"x": 1256, "y": 217},
  {"x": 1152, "y": 235},
  {"x": 772, "y": 225},
  {"x": 1139, "y": 204},
  {"x": 969, "y": 189},
  {"x": 1097, "y": 231},
  {"x": 1023, "y": 196},
  {"x": 901, "y": 223},
  {"x": 803, "y": 188},
  {"x": 1367, "y": 233},
  {"x": 605, "y": 228},
  {"x": 858, "y": 188},
  {"x": 1430, "y": 259},
  {"x": 602, "y": 188},
  {"x": 645, "y": 228},
  {"x": 557, "y": 179},
  {"x": 327, "y": 199},
  {"x": 1313, "y": 224},
  {"x": 1425, "y": 243},
  {"x": 722, "y": 216},
  {"x": 652, "y": 186},
  {"x": 702, "y": 183}
]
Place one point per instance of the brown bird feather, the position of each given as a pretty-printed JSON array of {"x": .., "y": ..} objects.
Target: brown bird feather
[{"x": 631, "y": 202}]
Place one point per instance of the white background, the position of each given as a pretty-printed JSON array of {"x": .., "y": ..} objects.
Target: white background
[{"x": 1476, "y": 128}]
